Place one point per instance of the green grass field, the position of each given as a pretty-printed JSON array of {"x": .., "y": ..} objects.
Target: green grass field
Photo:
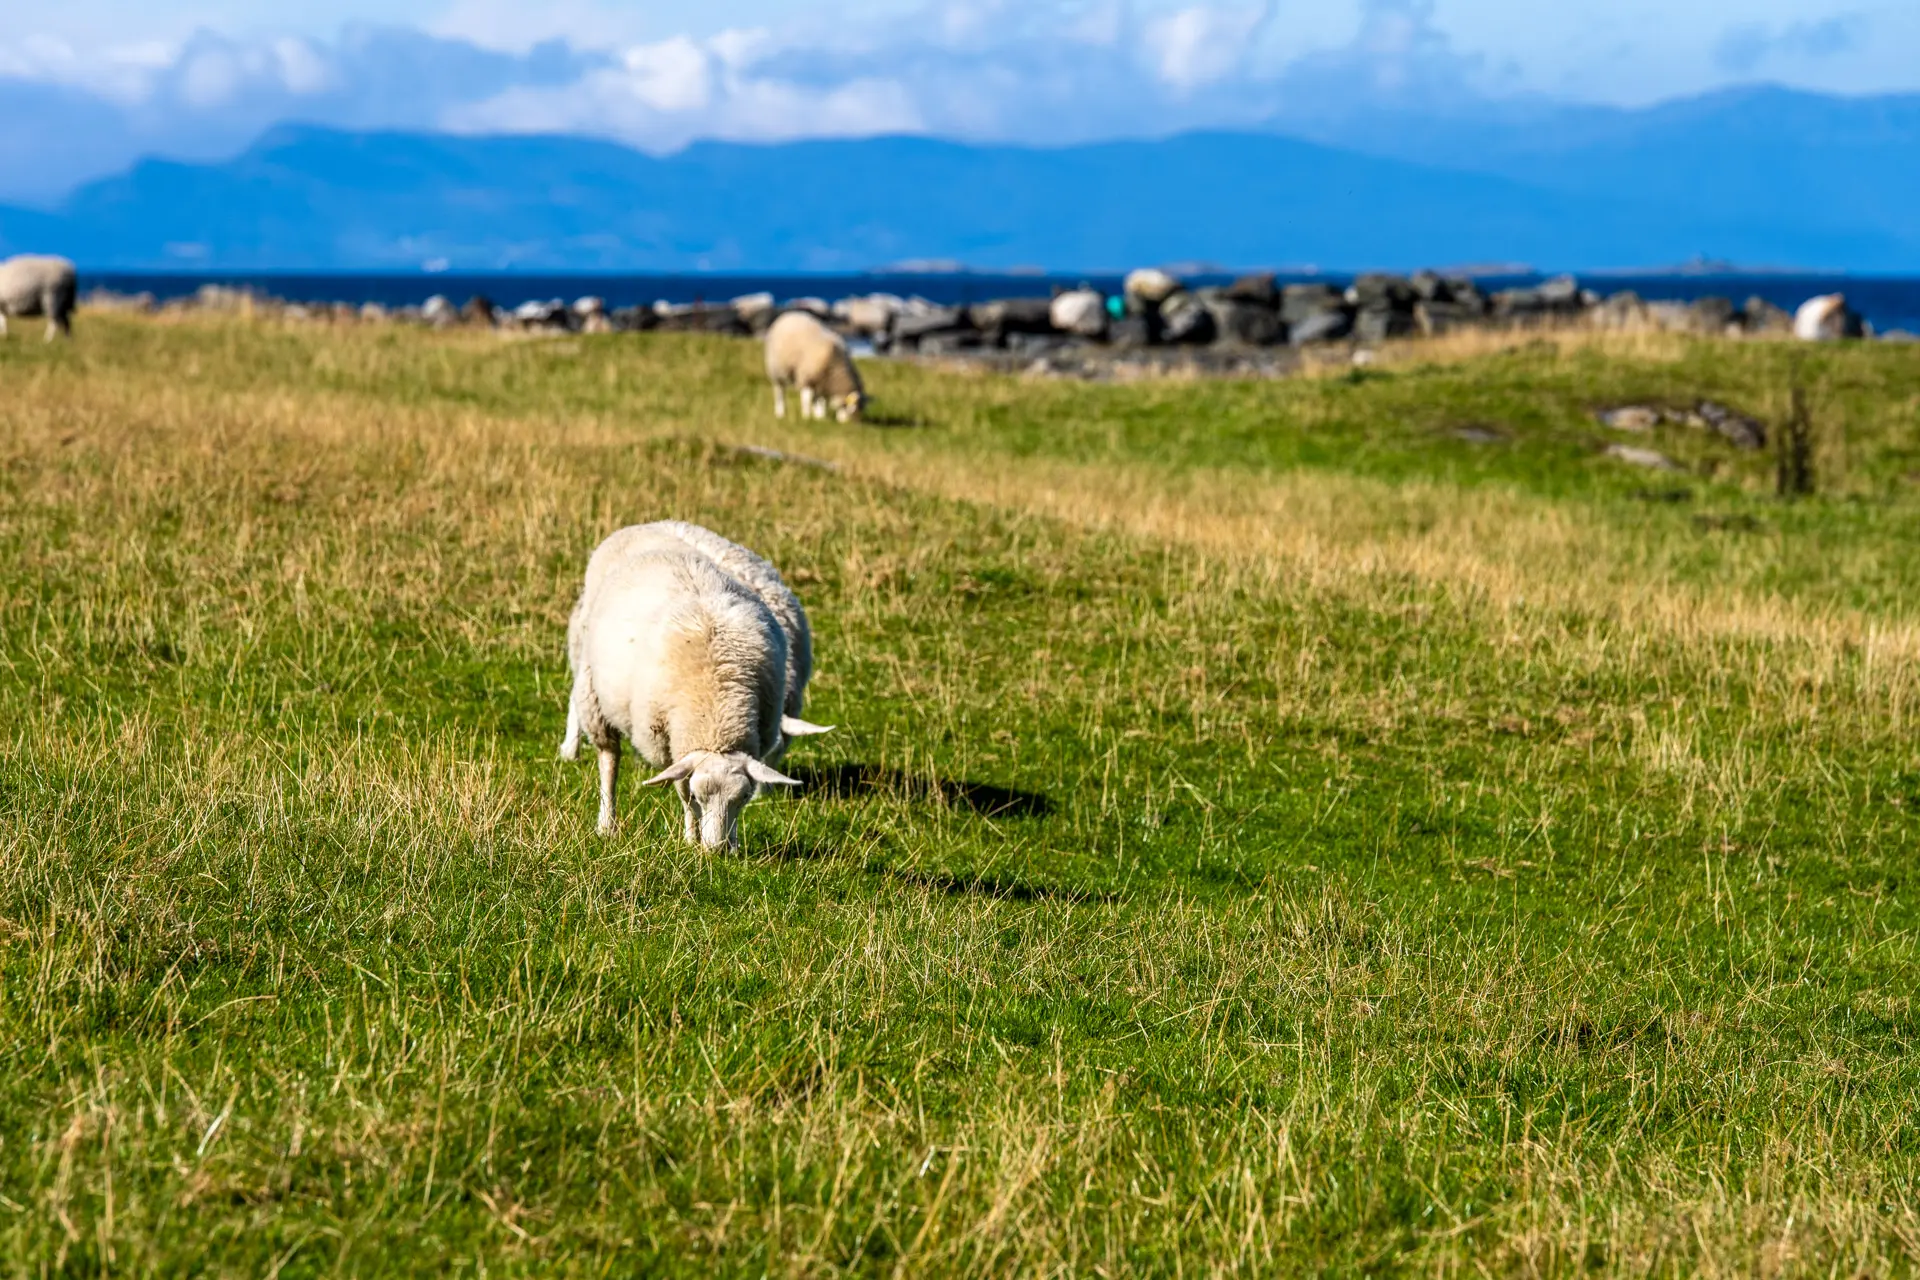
[{"x": 1267, "y": 833}]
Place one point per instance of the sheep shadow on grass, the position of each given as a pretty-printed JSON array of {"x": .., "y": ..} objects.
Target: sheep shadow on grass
[
  {"x": 895, "y": 421},
  {"x": 988, "y": 885},
  {"x": 848, "y": 781}
]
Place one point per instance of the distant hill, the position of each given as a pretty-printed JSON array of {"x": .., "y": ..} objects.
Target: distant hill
[{"x": 1621, "y": 190}]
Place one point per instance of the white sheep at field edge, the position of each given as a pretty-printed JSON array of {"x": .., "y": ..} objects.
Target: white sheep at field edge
[
  {"x": 804, "y": 353},
  {"x": 35, "y": 285}
]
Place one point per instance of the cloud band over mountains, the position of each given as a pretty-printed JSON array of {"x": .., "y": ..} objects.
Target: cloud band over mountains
[{"x": 984, "y": 70}]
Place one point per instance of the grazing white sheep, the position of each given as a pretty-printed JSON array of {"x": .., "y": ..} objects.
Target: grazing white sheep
[
  {"x": 673, "y": 652},
  {"x": 1824, "y": 319},
  {"x": 803, "y": 353},
  {"x": 35, "y": 285}
]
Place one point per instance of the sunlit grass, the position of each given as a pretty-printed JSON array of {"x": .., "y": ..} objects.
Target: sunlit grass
[{"x": 1268, "y": 833}]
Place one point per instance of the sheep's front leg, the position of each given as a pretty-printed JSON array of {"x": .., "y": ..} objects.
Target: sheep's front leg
[
  {"x": 689, "y": 809},
  {"x": 779, "y": 401},
  {"x": 609, "y": 778},
  {"x": 806, "y": 402},
  {"x": 3, "y": 324}
]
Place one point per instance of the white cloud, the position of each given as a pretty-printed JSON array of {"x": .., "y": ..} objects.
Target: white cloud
[
  {"x": 664, "y": 95},
  {"x": 1203, "y": 44},
  {"x": 673, "y": 75},
  {"x": 1043, "y": 71}
]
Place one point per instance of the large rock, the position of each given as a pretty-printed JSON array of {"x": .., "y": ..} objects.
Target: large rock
[
  {"x": 1624, "y": 311},
  {"x": 756, "y": 310},
  {"x": 1259, "y": 289},
  {"x": 1556, "y": 299},
  {"x": 634, "y": 319},
  {"x": 871, "y": 316},
  {"x": 1130, "y": 331},
  {"x": 1562, "y": 293},
  {"x": 553, "y": 314},
  {"x": 1148, "y": 287},
  {"x": 1634, "y": 456},
  {"x": 1080, "y": 312},
  {"x": 1713, "y": 316},
  {"x": 913, "y": 325},
  {"x": 1733, "y": 426},
  {"x": 1377, "y": 324},
  {"x": 1436, "y": 317},
  {"x": 1320, "y": 326},
  {"x": 1185, "y": 320},
  {"x": 1761, "y": 316},
  {"x": 1827, "y": 318},
  {"x": 1003, "y": 316},
  {"x": 1242, "y": 322},
  {"x": 1378, "y": 291},
  {"x": 1301, "y": 302}
]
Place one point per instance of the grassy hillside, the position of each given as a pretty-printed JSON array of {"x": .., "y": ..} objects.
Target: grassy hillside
[{"x": 1267, "y": 832}]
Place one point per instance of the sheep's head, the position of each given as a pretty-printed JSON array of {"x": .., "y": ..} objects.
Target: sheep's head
[
  {"x": 850, "y": 406},
  {"x": 719, "y": 784}
]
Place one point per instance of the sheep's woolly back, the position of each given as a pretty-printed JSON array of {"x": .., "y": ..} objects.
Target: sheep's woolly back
[
  {"x": 758, "y": 574},
  {"x": 802, "y": 352},
  {"x": 31, "y": 282},
  {"x": 673, "y": 653}
]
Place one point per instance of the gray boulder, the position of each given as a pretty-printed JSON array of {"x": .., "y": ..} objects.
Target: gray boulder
[
  {"x": 1186, "y": 320},
  {"x": 1437, "y": 317},
  {"x": 1243, "y": 323},
  {"x": 910, "y": 327},
  {"x": 1300, "y": 302},
  {"x": 1130, "y": 331},
  {"x": 1004, "y": 316},
  {"x": 1260, "y": 290},
  {"x": 1736, "y": 428},
  {"x": 1320, "y": 326},
  {"x": 1761, "y": 316},
  {"x": 1377, "y": 324},
  {"x": 1080, "y": 312},
  {"x": 1378, "y": 291}
]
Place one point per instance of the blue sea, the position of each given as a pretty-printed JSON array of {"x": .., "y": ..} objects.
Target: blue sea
[{"x": 1888, "y": 302}]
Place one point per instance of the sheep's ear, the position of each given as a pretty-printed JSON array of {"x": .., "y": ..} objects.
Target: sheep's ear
[
  {"x": 679, "y": 771},
  {"x": 768, "y": 776},
  {"x": 795, "y": 727}
]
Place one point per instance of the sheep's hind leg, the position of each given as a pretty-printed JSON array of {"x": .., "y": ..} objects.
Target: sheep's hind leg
[
  {"x": 779, "y": 401},
  {"x": 609, "y": 778}
]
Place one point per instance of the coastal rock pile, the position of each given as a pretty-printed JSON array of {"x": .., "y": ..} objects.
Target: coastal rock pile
[{"x": 1210, "y": 324}]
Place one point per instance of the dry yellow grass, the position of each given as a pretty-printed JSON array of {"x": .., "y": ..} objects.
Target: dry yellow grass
[{"x": 1410, "y": 875}]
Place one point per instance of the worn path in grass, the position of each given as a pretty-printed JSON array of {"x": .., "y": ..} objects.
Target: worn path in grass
[{"x": 1268, "y": 831}]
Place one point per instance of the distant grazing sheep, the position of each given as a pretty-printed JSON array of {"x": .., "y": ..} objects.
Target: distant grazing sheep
[
  {"x": 1825, "y": 318},
  {"x": 803, "y": 353},
  {"x": 32, "y": 285},
  {"x": 674, "y": 647}
]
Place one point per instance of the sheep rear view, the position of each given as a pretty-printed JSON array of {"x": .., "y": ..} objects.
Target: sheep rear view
[
  {"x": 678, "y": 656},
  {"x": 805, "y": 354},
  {"x": 37, "y": 285}
]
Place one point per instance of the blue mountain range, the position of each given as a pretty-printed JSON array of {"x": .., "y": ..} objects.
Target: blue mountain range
[{"x": 1761, "y": 177}]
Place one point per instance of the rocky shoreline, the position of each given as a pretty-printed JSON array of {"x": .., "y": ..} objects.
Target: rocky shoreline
[{"x": 1156, "y": 326}]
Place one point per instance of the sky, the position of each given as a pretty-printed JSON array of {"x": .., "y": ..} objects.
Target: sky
[{"x": 86, "y": 85}]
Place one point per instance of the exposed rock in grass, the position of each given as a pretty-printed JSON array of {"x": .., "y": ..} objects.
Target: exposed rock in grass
[{"x": 1652, "y": 459}]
